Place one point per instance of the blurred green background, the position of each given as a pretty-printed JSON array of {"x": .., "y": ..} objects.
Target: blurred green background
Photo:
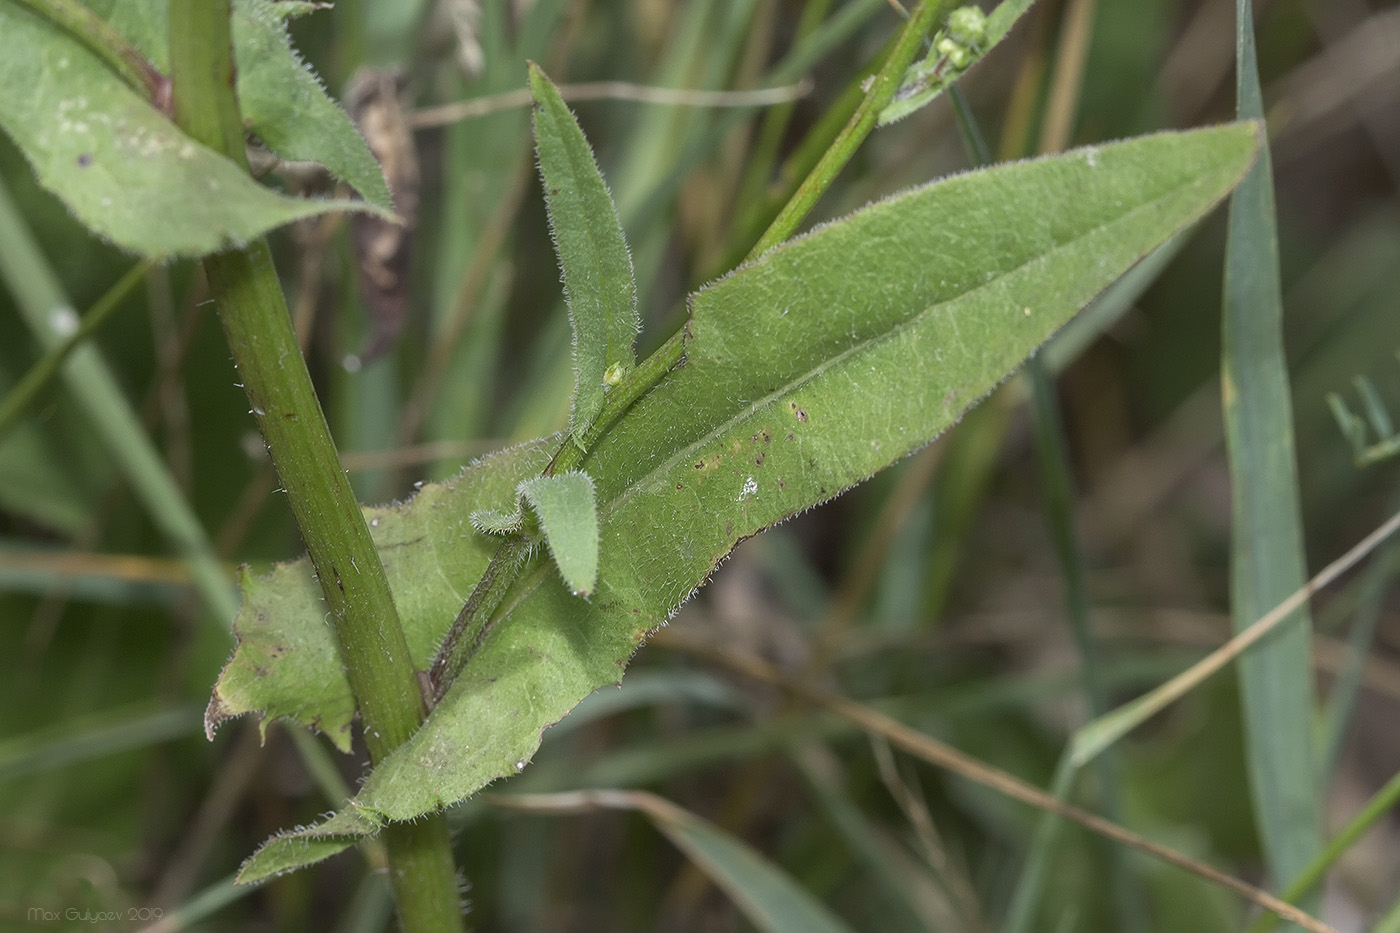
[{"x": 932, "y": 592}]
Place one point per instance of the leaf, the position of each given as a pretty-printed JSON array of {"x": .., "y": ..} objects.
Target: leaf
[
  {"x": 286, "y": 663},
  {"x": 1267, "y": 561},
  {"x": 569, "y": 517},
  {"x": 285, "y": 104},
  {"x": 598, "y": 282},
  {"x": 123, "y": 169},
  {"x": 767, "y": 895},
  {"x": 300, "y": 847},
  {"x": 827, "y": 359}
]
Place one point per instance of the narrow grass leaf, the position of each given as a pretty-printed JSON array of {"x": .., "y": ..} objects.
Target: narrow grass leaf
[
  {"x": 76, "y": 741},
  {"x": 805, "y": 372},
  {"x": 1376, "y": 810},
  {"x": 597, "y": 268},
  {"x": 768, "y": 896},
  {"x": 1267, "y": 563},
  {"x": 48, "y": 314},
  {"x": 568, "y": 514}
]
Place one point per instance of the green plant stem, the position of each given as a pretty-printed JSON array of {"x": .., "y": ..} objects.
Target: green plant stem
[
  {"x": 41, "y": 373},
  {"x": 361, "y": 607},
  {"x": 1376, "y": 809},
  {"x": 107, "y": 44},
  {"x": 466, "y": 633},
  {"x": 881, "y": 91},
  {"x": 505, "y": 565}
]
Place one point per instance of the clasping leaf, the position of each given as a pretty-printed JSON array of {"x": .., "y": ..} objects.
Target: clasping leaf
[{"x": 827, "y": 359}]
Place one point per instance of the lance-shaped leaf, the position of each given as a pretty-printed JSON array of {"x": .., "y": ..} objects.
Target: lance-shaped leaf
[
  {"x": 568, "y": 515},
  {"x": 827, "y": 359},
  {"x": 597, "y": 269},
  {"x": 123, "y": 169}
]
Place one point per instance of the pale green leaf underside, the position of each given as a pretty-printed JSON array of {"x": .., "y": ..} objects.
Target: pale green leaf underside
[
  {"x": 598, "y": 283},
  {"x": 283, "y": 102},
  {"x": 568, "y": 514},
  {"x": 828, "y": 359},
  {"x": 285, "y": 105},
  {"x": 116, "y": 162}
]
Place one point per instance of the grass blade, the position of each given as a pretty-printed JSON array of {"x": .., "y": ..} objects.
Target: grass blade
[
  {"x": 1267, "y": 551},
  {"x": 768, "y": 896},
  {"x": 40, "y": 299}
]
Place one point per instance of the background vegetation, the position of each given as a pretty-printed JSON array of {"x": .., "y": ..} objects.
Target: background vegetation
[{"x": 933, "y": 593}]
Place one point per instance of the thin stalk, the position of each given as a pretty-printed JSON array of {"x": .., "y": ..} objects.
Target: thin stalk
[
  {"x": 1025, "y": 898},
  {"x": 1342, "y": 702},
  {"x": 108, "y": 44},
  {"x": 362, "y": 614},
  {"x": 1376, "y": 809},
  {"x": 881, "y": 91},
  {"x": 469, "y": 629},
  {"x": 763, "y": 153},
  {"x": 42, "y": 373}
]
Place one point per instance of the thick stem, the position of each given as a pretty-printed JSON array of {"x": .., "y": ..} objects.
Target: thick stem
[{"x": 361, "y": 607}]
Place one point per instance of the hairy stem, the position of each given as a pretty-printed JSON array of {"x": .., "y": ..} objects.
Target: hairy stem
[
  {"x": 877, "y": 97},
  {"x": 470, "y": 626},
  {"x": 362, "y": 613}
]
